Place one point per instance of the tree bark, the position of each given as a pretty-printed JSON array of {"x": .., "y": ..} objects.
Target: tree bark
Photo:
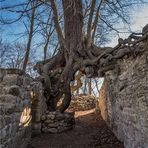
[
  {"x": 74, "y": 55},
  {"x": 29, "y": 39},
  {"x": 89, "y": 27},
  {"x": 89, "y": 87},
  {"x": 73, "y": 25},
  {"x": 56, "y": 23}
]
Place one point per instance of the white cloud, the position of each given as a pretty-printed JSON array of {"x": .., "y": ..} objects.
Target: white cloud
[{"x": 140, "y": 19}]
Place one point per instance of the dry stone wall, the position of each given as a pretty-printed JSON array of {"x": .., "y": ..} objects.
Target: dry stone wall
[
  {"x": 83, "y": 102},
  {"x": 56, "y": 122},
  {"x": 15, "y": 109},
  {"x": 123, "y": 101}
]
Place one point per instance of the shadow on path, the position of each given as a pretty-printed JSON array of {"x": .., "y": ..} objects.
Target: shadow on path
[{"x": 90, "y": 132}]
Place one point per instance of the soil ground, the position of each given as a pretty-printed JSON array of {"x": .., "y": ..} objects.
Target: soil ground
[{"x": 90, "y": 131}]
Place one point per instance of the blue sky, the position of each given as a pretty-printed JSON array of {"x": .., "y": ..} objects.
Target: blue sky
[{"x": 140, "y": 19}]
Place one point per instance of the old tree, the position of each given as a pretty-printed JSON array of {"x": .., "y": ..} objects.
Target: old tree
[{"x": 77, "y": 50}]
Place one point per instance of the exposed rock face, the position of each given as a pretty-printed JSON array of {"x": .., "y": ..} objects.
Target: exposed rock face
[
  {"x": 124, "y": 101},
  {"x": 83, "y": 102},
  {"x": 56, "y": 122},
  {"x": 15, "y": 109}
]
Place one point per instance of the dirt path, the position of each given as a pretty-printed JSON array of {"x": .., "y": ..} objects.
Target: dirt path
[{"x": 90, "y": 132}]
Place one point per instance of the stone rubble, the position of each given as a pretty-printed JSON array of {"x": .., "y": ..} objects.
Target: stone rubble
[
  {"x": 56, "y": 122},
  {"x": 83, "y": 102}
]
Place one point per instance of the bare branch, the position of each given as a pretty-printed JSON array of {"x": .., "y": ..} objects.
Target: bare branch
[
  {"x": 89, "y": 27},
  {"x": 94, "y": 27},
  {"x": 56, "y": 22}
]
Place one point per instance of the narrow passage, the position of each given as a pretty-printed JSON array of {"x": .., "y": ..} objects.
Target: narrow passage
[{"x": 90, "y": 132}]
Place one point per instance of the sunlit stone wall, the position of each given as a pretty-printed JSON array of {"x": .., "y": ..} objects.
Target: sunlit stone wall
[
  {"x": 83, "y": 102},
  {"x": 124, "y": 101}
]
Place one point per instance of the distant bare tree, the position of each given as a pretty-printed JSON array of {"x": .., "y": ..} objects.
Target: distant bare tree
[
  {"x": 31, "y": 30},
  {"x": 11, "y": 56}
]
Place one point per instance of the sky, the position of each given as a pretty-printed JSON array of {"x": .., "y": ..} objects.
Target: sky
[{"x": 140, "y": 19}]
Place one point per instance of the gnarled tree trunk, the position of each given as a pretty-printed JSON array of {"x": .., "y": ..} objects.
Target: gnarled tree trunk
[{"x": 76, "y": 54}]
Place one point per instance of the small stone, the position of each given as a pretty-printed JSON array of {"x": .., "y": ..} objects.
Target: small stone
[
  {"x": 1, "y": 89},
  {"x": 52, "y": 130},
  {"x": 3, "y": 134},
  {"x": 51, "y": 116},
  {"x": 47, "y": 112},
  {"x": 27, "y": 80},
  {"x": 12, "y": 79},
  {"x": 60, "y": 116},
  {"x": 63, "y": 129},
  {"x": 14, "y": 90},
  {"x": 43, "y": 118},
  {"x": 7, "y": 108},
  {"x": 45, "y": 129},
  {"x": 10, "y": 99},
  {"x": 7, "y": 119},
  {"x": 60, "y": 123},
  {"x": 49, "y": 121},
  {"x": 53, "y": 125}
]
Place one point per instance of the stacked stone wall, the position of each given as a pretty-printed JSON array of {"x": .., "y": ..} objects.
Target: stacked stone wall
[
  {"x": 83, "y": 102},
  {"x": 123, "y": 101},
  {"x": 15, "y": 109}
]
